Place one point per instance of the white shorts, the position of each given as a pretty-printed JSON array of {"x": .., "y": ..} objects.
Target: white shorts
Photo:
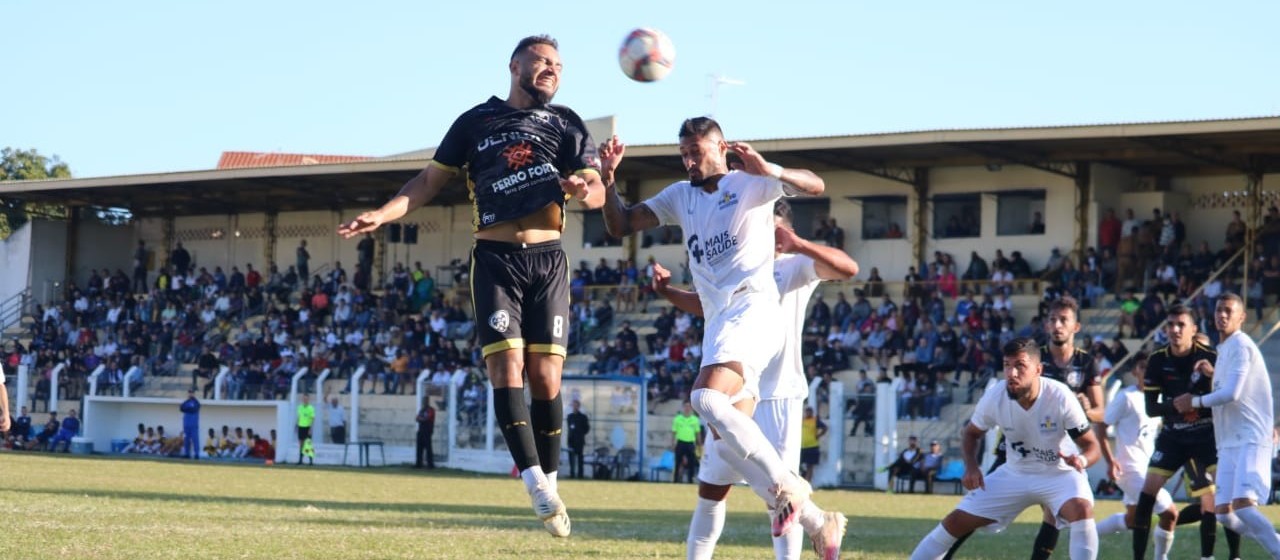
[
  {"x": 1243, "y": 472},
  {"x": 1131, "y": 482},
  {"x": 1007, "y": 493},
  {"x": 779, "y": 419},
  {"x": 745, "y": 331}
]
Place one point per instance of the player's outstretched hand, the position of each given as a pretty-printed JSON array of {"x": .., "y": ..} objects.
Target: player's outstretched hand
[
  {"x": 972, "y": 480},
  {"x": 785, "y": 240},
  {"x": 1182, "y": 403},
  {"x": 752, "y": 161},
  {"x": 611, "y": 152},
  {"x": 363, "y": 223},
  {"x": 1077, "y": 462},
  {"x": 575, "y": 187},
  {"x": 661, "y": 278}
]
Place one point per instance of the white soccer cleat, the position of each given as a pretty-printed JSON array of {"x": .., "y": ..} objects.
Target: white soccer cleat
[
  {"x": 826, "y": 541},
  {"x": 550, "y": 509},
  {"x": 791, "y": 497}
]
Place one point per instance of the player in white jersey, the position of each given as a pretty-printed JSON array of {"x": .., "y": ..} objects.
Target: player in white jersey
[
  {"x": 799, "y": 267},
  {"x": 1040, "y": 418},
  {"x": 1135, "y": 440},
  {"x": 1243, "y": 422},
  {"x": 727, "y": 220}
]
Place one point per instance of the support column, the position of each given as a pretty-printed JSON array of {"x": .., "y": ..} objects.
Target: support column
[
  {"x": 378, "y": 278},
  {"x": 73, "y": 246},
  {"x": 1253, "y": 215},
  {"x": 269, "y": 244},
  {"x": 168, "y": 240},
  {"x": 631, "y": 244},
  {"x": 920, "y": 235},
  {"x": 1083, "y": 178}
]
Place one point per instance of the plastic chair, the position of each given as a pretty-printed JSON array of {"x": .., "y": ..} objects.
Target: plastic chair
[
  {"x": 665, "y": 463},
  {"x": 623, "y": 463},
  {"x": 953, "y": 472}
]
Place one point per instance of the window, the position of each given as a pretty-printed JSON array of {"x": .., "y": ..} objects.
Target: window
[
  {"x": 1020, "y": 213},
  {"x": 665, "y": 235},
  {"x": 806, "y": 214},
  {"x": 957, "y": 215},
  {"x": 884, "y": 217},
  {"x": 593, "y": 232}
]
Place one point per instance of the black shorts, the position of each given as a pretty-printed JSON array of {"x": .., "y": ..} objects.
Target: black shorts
[
  {"x": 520, "y": 296},
  {"x": 1194, "y": 452},
  {"x": 810, "y": 455}
]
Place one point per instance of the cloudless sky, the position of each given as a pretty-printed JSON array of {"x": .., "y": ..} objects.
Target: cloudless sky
[{"x": 128, "y": 87}]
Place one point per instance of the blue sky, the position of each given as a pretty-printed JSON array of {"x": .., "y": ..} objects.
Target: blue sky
[{"x": 132, "y": 87}]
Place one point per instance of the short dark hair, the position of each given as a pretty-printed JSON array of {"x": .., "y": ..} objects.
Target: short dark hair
[
  {"x": 1065, "y": 302},
  {"x": 1182, "y": 309},
  {"x": 532, "y": 40},
  {"x": 1021, "y": 345},
  {"x": 1231, "y": 296},
  {"x": 782, "y": 209},
  {"x": 699, "y": 127}
]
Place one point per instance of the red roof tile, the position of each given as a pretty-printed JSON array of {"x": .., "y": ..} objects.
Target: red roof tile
[{"x": 231, "y": 160}]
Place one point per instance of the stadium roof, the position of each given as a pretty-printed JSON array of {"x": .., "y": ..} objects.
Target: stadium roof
[{"x": 1166, "y": 149}]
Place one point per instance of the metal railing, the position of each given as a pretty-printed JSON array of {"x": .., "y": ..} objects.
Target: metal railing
[{"x": 14, "y": 308}]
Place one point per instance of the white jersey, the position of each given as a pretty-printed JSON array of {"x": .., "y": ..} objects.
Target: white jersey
[
  {"x": 1241, "y": 397},
  {"x": 797, "y": 279},
  {"x": 1135, "y": 431},
  {"x": 1034, "y": 437},
  {"x": 728, "y": 233}
]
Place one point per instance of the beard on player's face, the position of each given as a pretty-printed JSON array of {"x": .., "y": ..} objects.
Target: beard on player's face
[
  {"x": 1018, "y": 393},
  {"x": 541, "y": 96}
]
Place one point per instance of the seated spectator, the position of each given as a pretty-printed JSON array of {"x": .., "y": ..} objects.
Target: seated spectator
[
  {"x": 262, "y": 449},
  {"x": 211, "y": 445},
  {"x": 70, "y": 428},
  {"x": 908, "y": 462},
  {"x": 138, "y": 442},
  {"x": 46, "y": 435},
  {"x": 929, "y": 467}
]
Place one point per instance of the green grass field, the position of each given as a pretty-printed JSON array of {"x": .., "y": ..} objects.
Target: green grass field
[{"x": 92, "y": 507}]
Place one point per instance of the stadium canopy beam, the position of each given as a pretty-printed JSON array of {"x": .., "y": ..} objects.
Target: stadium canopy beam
[
  {"x": 1196, "y": 150},
  {"x": 1083, "y": 178},
  {"x": 905, "y": 175},
  {"x": 1007, "y": 154}
]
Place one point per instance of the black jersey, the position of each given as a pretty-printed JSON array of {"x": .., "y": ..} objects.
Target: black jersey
[
  {"x": 515, "y": 157},
  {"x": 1079, "y": 374},
  {"x": 1169, "y": 376}
]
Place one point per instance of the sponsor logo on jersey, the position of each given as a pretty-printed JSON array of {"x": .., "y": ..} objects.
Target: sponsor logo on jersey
[
  {"x": 504, "y": 137},
  {"x": 518, "y": 155},
  {"x": 505, "y": 184},
  {"x": 488, "y": 218},
  {"x": 500, "y": 320},
  {"x": 1049, "y": 424},
  {"x": 727, "y": 199},
  {"x": 1074, "y": 378}
]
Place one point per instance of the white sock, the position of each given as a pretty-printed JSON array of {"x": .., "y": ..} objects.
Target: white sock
[
  {"x": 1164, "y": 543},
  {"x": 739, "y": 433},
  {"x": 1260, "y": 529},
  {"x": 704, "y": 529},
  {"x": 811, "y": 517},
  {"x": 790, "y": 544},
  {"x": 554, "y": 481},
  {"x": 755, "y": 476},
  {"x": 1084, "y": 540},
  {"x": 533, "y": 477},
  {"x": 1230, "y": 521},
  {"x": 935, "y": 545},
  {"x": 1112, "y": 524}
]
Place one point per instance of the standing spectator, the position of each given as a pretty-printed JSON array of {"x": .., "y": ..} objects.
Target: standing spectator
[
  {"x": 191, "y": 426},
  {"x": 835, "y": 235},
  {"x": 1109, "y": 231},
  {"x": 206, "y": 367},
  {"x": 140, "y": 268},
  {"x": 303, "y": 262},
  {"x": 180, "y": 259},
  {"x": 579, "y": 427},
  {"x": 684, "y": 435},
  {"x": 306, "y": 417},
  {"x": 811, "y": 430},
  {"x": 426, "y": 428},
  {"x": 337, "y": 418},
  {"x": 364, "y": 262}
]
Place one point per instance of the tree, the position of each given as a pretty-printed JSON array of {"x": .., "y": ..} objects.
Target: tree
[{"x": 28, "y": 165}]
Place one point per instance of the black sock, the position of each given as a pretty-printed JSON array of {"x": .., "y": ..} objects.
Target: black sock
[
  {"x": 548, "y": 420},
  {"x": 1189, "y": 514},
  {"x": 1208, "y": 534},
  {"x": 1142, "y": 524},
  {"x": 1046, "y": 541},
  {"x": 1233, "y": 543},
  {"x": 959, "y": 541},
  {"x": 513, "y": 419}
]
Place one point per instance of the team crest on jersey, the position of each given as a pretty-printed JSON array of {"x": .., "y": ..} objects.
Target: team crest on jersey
[
  {"x": 727, "y": 199},
  {"x": 1073, "y": 378},
  {"x": 500, "y": 320},
  {"x": 1049, "y": 424},
  {"x": 1195, "y": 377}
]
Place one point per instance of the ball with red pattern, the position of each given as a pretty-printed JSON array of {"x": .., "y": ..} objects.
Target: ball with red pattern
[{"x": 646, "y": 55}]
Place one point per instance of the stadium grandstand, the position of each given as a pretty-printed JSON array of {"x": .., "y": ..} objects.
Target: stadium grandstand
[{"x": 961, "y": 236}]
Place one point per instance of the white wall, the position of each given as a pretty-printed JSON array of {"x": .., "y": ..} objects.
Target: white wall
[
  {"x": 15, "y": 260},
  {"x": 1206, "y": 217},
  {"x": 107, "y": 418},
  {"x": 49, "y": 265}
]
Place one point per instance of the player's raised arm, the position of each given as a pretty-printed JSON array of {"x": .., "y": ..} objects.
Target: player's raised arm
[
  {"x": 418, "y": 191},
  {"x": 585, "y": 187},
  {"x": 684, "y": 300},
  {"x": 829, "y": 262},
  {"x": 800, "y": 181},
  {"x": 620, "y": 220}
]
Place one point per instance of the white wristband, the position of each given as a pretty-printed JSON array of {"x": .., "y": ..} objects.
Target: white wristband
[
  {"x": 775, "y": 171},
  {"x": 1195, "y": 402}
]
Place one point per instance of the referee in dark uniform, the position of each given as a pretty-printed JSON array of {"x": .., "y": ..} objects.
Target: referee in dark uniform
[
  {"x": 524, "y": 159},
  {"x": 1185, "y": 441}
]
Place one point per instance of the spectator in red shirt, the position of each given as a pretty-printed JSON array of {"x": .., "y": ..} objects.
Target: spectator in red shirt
[
  {"x": 252, "y": 278},
  {"x": 1109, "y": 231}
]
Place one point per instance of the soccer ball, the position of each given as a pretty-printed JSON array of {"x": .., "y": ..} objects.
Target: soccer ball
[{"x": 647, "y": 55}]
